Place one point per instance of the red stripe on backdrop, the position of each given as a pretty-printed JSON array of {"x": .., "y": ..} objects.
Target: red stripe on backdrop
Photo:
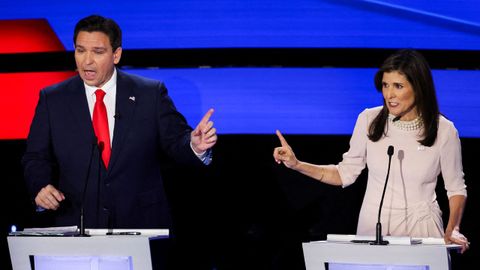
[
  {"x": 19, "y": 97},
  {"x": 28, "y": 36}
]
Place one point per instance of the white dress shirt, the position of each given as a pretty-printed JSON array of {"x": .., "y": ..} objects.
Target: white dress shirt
[{"x": 110, "y": 89}]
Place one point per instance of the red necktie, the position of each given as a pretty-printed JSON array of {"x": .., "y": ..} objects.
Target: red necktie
[{"x": 100, "y": 125}]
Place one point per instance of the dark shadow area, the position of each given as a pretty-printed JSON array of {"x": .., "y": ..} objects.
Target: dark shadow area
[{"x": 241, "y": 57}]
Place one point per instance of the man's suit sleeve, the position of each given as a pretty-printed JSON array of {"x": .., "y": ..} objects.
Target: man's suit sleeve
[
  {"x": 174, "y": 130},
  {"x": 38, "y": 162}
]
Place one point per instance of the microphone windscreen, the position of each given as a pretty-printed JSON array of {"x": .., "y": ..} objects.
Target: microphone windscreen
[
  {"x": 390, "y": 150},
  {"x": 101, "y": 146}
]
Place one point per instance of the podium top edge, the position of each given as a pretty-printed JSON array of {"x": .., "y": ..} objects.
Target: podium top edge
[{"x": 144, "y": 232}]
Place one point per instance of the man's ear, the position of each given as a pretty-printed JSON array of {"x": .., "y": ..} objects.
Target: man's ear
[{"x": 117, "y": 54}]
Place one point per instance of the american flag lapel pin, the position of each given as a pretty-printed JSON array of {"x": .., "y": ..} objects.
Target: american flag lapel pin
[{"x": 132, "y": 98}]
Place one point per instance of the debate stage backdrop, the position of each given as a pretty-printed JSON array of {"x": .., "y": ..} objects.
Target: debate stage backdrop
[{"x": 304, "y": 67}]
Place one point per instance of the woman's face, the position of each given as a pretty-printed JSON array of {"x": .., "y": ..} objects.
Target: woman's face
[{"x": 399, "y": 96}]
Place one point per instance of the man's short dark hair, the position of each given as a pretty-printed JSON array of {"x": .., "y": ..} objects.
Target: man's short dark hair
[{"x": 97, "y": 23}]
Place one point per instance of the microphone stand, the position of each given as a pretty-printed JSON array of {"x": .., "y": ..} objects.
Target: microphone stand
[
  {"x": 378, "y": 237},
  {"x": 82, "y": 232},
  {"x": 101, "y": 146}
]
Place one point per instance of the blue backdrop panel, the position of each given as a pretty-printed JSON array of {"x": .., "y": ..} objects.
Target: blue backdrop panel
[
  {"x": 302, "y": 100},
  {"x": 421, "y": 24}
]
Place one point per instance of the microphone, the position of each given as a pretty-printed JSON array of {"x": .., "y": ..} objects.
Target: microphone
[
  {"x": 379, "y": 239},
  {"x": 101, "y": 146},
  {"x": 117, "y": 116},
  {"x": 82, "y": 210}
]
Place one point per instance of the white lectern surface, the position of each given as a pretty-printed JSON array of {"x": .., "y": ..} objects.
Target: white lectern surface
[
  {"x": 357, "y": 255},
  {"x": 99, "y": 249}
]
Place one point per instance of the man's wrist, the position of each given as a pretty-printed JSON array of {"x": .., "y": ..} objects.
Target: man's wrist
[{"x": 197, "y": 153}]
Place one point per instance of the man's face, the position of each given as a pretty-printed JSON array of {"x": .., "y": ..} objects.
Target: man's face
[{"x": 95, "y": 57}]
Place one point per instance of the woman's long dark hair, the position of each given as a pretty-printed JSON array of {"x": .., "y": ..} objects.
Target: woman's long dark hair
[{"x": 415, "y": 68}]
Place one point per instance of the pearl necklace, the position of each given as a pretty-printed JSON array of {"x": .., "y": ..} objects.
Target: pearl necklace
[{"x": 415, "y": 124}]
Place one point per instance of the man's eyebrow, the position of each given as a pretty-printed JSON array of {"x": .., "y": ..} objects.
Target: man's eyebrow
[{"x": 94, "y": 48}]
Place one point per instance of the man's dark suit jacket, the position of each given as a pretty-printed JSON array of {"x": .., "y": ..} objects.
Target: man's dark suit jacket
[{"x": 61, "y": 148}]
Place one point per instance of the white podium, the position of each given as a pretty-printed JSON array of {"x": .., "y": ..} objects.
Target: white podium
[
  {"x": 99, "y": 251},
  {"x": 320, "y": 255}
]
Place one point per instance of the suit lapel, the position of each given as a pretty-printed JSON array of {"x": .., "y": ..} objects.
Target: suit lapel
[
  {"x": 79, "y": 106},
  {"x": 124, "y": 109}
]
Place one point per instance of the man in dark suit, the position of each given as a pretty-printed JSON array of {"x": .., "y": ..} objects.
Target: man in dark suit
[{"x": 109, "y": 167}]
